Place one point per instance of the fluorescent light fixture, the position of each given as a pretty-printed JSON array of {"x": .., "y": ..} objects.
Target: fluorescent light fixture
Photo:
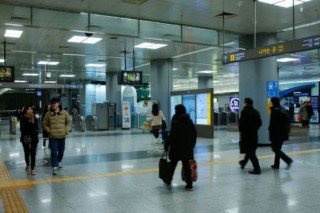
[
  {"x": 205, "y": 72},
  {"x": 95, "y": 65},
  {"x": 152, "y": 46},
  {"x": 84, "y": 39},
  {"x": 20, "y": 81},
  {"x": 13, "y": 33},
  {"x": 48, "y": 62},
  {"x": 71, "y": 54},
  {"x": 302, "y": 25},
  {"x": 284, "y": 3},
  {"x": 287, "y": 59},
  {"x": 174, "y": 69},
  {"x": 50, "y": 82},
  {"x": 30, "y": 74},
  {"x": 1, "y": 60},
  {"x": 91, "y": 40},
  {"x": 53, "y": 63},
  {"x": 67, "y": 75}
]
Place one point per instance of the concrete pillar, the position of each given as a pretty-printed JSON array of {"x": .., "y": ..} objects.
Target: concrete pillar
[
  {"x": 113, "y": 89},
  {"x": 161, "y": 84},
  {"x": 253, "y": 77}
]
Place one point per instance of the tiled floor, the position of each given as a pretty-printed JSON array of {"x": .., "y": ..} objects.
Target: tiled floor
[{"x": 116, "y": 171}]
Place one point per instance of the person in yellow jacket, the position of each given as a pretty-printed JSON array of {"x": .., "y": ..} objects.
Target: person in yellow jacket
[{"x": 56, "y": 123}]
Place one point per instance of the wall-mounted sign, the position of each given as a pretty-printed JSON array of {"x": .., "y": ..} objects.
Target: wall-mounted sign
[
  {"x": 272, "y": 89},
  {"x": 234, "y": 104}
]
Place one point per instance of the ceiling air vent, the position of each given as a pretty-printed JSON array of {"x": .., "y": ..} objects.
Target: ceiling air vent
[
  {"x": 64, "y": 47},
  {"x": 225, "y": 15},
  {"x": 134, "y": 1},
  {"x": 20, "y": 20}
]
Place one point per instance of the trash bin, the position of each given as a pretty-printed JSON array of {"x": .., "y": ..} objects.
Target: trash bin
[{"x": 12, "y": 125}]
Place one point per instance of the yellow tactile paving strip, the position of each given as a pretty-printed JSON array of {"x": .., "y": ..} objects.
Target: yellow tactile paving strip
[
  {"x": 11, "y": 199},
  {"x": 13, "y": 202}
]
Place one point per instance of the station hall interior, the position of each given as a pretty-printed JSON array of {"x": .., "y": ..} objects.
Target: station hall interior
[{"x": 71, "y": 48}]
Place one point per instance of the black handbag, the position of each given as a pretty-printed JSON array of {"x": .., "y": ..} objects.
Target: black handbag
[
  {"x": 26, "y": 139},
  {"x": 165, "y": 168}
]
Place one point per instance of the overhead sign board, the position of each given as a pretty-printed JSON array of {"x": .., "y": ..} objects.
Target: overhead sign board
[{"x": 297, "y": 45}]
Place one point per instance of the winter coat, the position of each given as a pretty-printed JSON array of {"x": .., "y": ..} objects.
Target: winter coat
[
  {"x": 28, "y": 128},
  {"x": 57, "y": 124},
  {"x": 182, "y": 138},
  {"x": 277, "y": 131},
  {"x": 303, "y": 112},
  {"x": 249, "y": 124},
  {"x": 44, "y": 132}
]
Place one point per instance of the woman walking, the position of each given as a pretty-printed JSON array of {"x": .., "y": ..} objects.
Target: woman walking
[{"x": 29, "y": 137}]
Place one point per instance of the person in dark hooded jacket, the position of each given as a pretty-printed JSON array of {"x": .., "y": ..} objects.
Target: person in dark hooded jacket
[
  {"x": 181, "y": 141},
  {"x": 249, "y": 124},
  {"x": 278, "y": 134}
]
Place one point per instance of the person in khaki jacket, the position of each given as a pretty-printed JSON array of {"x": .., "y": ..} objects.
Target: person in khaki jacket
[{"x": 57, "y": 123}]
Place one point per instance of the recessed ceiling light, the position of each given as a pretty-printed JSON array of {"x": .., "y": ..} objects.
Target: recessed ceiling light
[
  {"x": 206, "y": 71},
  {"x": 48, "y": 62},
  {"x": 284, "y": 3},
  {"x": 84, "y": 39},
  {"x": 174, "y": 69},
  {"x": 30, "y": 74},
  {"x": 67, "y": 75},
  {"x": 91, "y": 40},
  {"x": 148, "y": 45},
  {"x": 95, "y": 65},
  {"x": 287, "y": 59},
  {"x": 50, "y": 82},
  {"x": 13, "y": 33}
]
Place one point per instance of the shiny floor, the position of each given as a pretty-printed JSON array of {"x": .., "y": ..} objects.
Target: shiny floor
[{"x": 116, "y": 171}]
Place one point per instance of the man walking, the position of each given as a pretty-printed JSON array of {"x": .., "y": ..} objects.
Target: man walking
[
  {"x": 249, "y": 124},
  {"x": 278, "y": 133},
  {"x": 57, "y": 123}
]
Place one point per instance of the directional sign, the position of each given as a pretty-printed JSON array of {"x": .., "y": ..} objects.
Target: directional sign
[{"x": 302, "y": 44}]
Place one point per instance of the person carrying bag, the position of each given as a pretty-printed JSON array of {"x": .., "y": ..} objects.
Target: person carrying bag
[{"x": 181, "y": 142}]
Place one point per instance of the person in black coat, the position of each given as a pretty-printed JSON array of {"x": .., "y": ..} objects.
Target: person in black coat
[
  {"x": 278, "y": 134},
  {"x": 309, "y": 112},
  {"x": 181, "y": 141},
  {"x": 249, "y": 124},
  {"x": 29, "y": 136}
]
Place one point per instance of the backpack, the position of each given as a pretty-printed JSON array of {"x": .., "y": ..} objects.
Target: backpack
[{"x": 286, "y": 120}]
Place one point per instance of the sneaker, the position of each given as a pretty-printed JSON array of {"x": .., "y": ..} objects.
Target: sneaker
[
  {"x": 33, "y": 172},
  {"x": 189, "y": 188},
  {"x": 60, "y": 166},
  {"x": 27, "y": 168},
  {"x": 55, "y": 171}
]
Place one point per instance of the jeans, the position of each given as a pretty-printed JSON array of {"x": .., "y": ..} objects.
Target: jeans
[{"x": 57, "y": 146}]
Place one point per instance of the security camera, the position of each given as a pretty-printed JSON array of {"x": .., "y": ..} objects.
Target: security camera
[{"x": 88, "y": 34}]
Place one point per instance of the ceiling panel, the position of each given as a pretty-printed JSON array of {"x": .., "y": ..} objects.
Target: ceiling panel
[{"x": 192, "y": 49}]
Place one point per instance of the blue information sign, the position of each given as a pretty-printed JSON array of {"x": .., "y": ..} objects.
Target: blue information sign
[{"x": 272, "y": 89}]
